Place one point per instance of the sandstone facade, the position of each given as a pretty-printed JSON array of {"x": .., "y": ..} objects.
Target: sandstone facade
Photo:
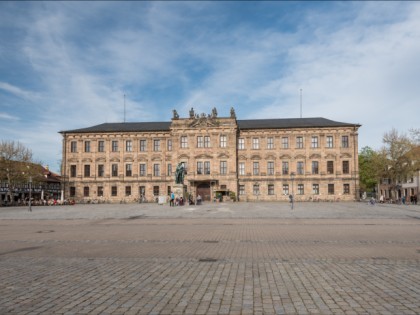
[{"x": 225, "y": 158}]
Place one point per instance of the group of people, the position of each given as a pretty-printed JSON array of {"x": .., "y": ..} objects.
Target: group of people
[
  {"x": 175, "y": 201},
  {"x": 179, "y": 201},
  {"x": 413, "y": 199},
  {"x": 40, "y": 202}
]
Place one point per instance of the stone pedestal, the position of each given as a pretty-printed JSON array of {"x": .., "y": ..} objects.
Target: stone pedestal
[{"x": 179, "y": 190}]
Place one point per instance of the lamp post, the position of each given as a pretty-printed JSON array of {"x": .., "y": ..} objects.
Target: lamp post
[
  {"x": 30, "y": 193},
  {"x": 292, "y": 177}
]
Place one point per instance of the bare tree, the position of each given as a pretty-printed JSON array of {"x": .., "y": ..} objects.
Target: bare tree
[
  {"x": 415, "y": 135},
  {"x": 16, "y": 165}
]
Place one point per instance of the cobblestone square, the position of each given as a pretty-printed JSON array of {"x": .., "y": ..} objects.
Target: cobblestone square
[{"x": 218, "y": 258}]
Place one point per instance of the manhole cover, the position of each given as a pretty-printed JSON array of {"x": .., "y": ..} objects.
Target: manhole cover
[
  {"x": 136, "y": 217},
  {"x": 207, "y": 260}
]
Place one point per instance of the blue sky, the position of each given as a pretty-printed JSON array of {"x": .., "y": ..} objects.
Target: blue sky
[{"x": 67, "y": 65}]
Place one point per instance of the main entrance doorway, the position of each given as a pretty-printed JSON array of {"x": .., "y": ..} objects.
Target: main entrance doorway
[{"x": 204, "y": 191}]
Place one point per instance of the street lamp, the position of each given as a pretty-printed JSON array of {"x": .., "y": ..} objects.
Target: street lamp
[
  {"x": 30, "y": 193},
  {"x": 292, "y": 177}
]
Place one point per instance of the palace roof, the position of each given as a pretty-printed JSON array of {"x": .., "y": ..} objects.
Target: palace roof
[{"x": 282, "y": 123}]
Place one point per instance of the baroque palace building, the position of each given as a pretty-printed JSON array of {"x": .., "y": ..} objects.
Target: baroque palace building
[{"x": 245, "y": 160}]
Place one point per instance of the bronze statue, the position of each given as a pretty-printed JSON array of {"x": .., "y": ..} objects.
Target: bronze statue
[{"x": 179, "y": 174}]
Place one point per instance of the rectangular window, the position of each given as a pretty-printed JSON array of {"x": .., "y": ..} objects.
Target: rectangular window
[
  {"x": 100, "y": 191},
  {"x": 128, "y": 146},
  {"x": 300, "y": 169},
  {"x": 207, "y": 142},
  {"x": 101, "y": 170},
  {"x": 256, "y": 168},
  {"x": 286, "y": 189},
  {"x": 330, "y": 189},
  {"x": 87, "y": 146},
  {"x": 241, "y": 144},
  {"x": 255, "y": 143},
  {"x": 169, "y": 144},
  {"x": 207, "y": 168},
  {"x": 223, "y": 167},
  {"x": 346, "y": 189},
  {"x": 330, "y": 142},
  {"x": 270, "y": 168},
  {"x": 73, "y": 146},
  {"x": 127, "y": 191},
  {"x": 199, "y": 168},
  {"x": 156, "y": 169},
  {"x": 184, "y": 142},
  {"x": 242, "y": 189},
  {"x": 241, "y": 168},
  {"x": 330, "y": 167},
  {"x": 345, "y": 141},
  {"x": 114, "y": 146},
  {"x": 85, "y": 191},
  {"x": 128, "y": 170},
  {"x": 156, "y": 145},
  {"x": 143, "y": 145},
  {"x": 101, "y": 146},
  {"x": 301, "y": 190},
  {"x": 72, "y": 191},
  {"x": 200, "y": 142},
  {"x": 223, "y": 141},
  {"x": 114, "y": 191},
  {"x": 270, "y": 143},
  {"x": 315, "y": 167},
  {"x": 155, "y": 190},
  {"x": 73, "y": 171},
  {"x": 285, "y": 168},
  {"x": 142, "y": 169},
  {"x": 315, "y": 189},
  {"x": 314, "y": 142},
  {"x": 271, "y": 189},
  {"x": 256, "y": 189},
  {"x": 285, "y": 142},
  {"x": 87, "y": 171},
  {"x": 169, "y": 170},
  {"x": 299, "y": 142},
  {"x": 346, "y": 168},
  {"x": 114, "y": 170}
]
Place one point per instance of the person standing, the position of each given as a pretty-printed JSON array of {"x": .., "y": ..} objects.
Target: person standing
[{"x": 171, "y": 201}]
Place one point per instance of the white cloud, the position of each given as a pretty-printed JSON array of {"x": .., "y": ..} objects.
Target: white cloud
[
  {"x": 356, "y": 62},
  {"x": 7, "y": 116},
  {"x": 17, "y": 91}
]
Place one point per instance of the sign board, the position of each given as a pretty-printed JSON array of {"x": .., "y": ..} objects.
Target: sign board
[{"x": 162, "y": 200}]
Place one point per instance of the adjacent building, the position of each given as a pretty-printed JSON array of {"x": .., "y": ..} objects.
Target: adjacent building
[
  {"x": 45, "y": 185},
  {"x": 224, "y": 158}
]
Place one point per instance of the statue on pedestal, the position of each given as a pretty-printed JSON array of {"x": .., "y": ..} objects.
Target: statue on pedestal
[{"x": 176, "y": 116}]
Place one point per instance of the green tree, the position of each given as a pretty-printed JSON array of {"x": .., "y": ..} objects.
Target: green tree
[{"x": 371, "y": 166}]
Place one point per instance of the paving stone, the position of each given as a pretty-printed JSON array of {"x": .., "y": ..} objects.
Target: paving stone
[{"x": 259, "y": 259}]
